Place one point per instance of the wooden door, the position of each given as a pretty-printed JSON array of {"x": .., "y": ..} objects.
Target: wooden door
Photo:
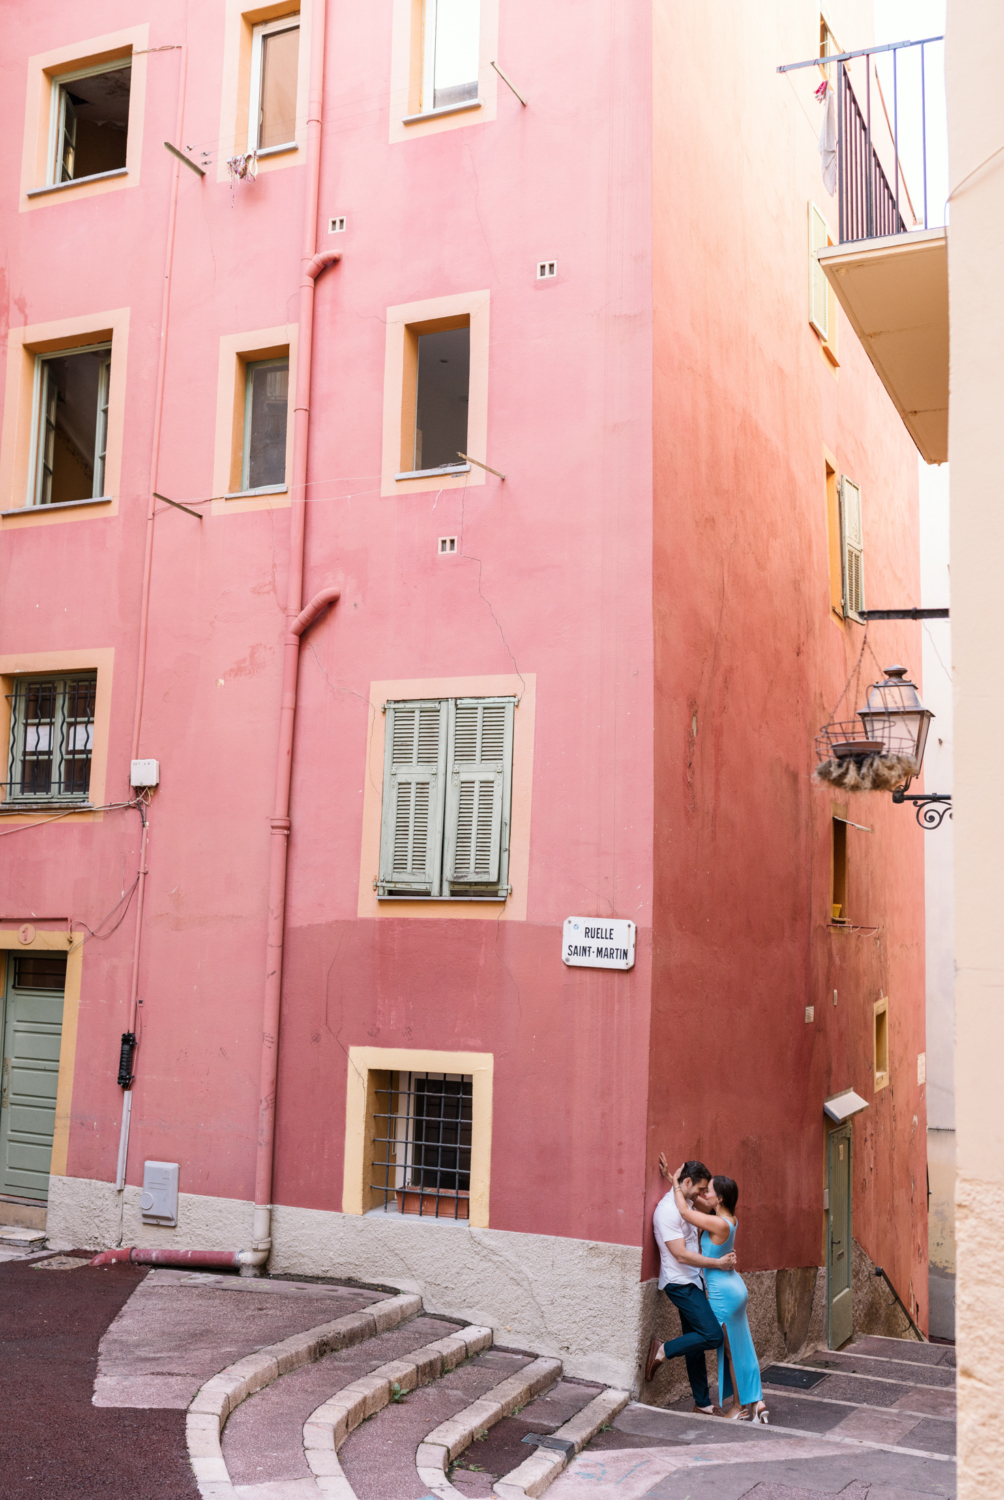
[
  {"x": 840, "y": 1309},
  {"x": 32, "y": 1025}
]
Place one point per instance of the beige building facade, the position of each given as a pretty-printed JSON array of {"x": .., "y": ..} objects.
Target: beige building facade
[{"x": 975, "y": 37}]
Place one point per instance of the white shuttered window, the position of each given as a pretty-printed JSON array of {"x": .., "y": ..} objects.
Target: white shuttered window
[
  {"x": 819, "y": 301},
  {"x": 446, "y": 799},
  {"x": 852, "y": 548}
]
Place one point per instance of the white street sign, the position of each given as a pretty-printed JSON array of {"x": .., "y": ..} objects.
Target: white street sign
[{"x": 598, "y": 943}]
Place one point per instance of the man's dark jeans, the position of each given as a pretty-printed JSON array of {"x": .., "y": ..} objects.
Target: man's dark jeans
[{"x": 701, "y": 1331}]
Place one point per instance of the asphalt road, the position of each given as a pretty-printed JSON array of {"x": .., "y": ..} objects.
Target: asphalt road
[{"x": 54, "y": 1444}]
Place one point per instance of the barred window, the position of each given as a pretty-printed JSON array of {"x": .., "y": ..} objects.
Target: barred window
[
  {"x": 51, "y": 738},
  {"x": 422, "y": 1144},
  {"x": 446, "y": 798}
]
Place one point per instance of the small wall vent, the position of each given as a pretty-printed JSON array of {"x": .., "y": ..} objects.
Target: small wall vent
[
  {"x": 447, "y": 544},
  {"x": 546, "y": 269},
  {"x": 337, "y": 226}
]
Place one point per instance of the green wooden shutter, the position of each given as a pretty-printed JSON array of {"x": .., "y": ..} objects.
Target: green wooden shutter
[
  {"x": 819, "y": 305},
  {"x": 852, "y": 547},
  {"x": 478, "y": 795},
  {"x": 411, "y": 839}
]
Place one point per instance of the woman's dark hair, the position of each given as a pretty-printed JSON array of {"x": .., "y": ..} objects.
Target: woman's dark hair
[{"x": 727, "y": 1191}]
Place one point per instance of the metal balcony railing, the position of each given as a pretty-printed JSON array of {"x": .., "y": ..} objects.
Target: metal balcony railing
[{"x": 872, "y": 194}]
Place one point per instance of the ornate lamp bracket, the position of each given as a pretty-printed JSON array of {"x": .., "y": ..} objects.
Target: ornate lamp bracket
[{"x": 929, "y": 807}]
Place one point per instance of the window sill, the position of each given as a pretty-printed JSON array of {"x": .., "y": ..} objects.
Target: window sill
[
  {"x": 12, "y": 806},
  {"x": 41, "y": 510},
  {"x": 446, "y": 900},
  {"x": 393, "y": 1212},
  {"x": 265, "y": 489},
  {"x": 434, "y": 473},
  {"x": 277, "y": 150},
  {"x": 58, "y": 187},
  {"x": 445, "y": 109}
]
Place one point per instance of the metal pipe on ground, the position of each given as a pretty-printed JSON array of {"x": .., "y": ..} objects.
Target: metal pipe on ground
[{"x": 131, "y": 1255}]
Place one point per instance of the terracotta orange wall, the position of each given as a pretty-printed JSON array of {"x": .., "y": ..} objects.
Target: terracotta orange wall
[{"x": 750, "y": 662}]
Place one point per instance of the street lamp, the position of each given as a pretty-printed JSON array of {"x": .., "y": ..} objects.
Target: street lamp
[{"x": 895, "y": 716}]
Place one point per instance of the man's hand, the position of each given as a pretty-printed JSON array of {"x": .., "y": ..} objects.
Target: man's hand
[
  {"x": 728, "y": 1262},
  {"x": 664, "y": 1167}
]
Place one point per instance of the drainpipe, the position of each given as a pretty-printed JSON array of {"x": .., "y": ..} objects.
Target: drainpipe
[
  {"x": 298, "y": 620},
  {"x": 144, "y": 608}
]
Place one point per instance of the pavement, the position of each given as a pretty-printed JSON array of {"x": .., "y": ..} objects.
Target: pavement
[{"x": 98, "y": 1367}]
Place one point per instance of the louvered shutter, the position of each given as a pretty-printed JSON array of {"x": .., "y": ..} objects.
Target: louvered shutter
[
  {"x": 478, "y": 793},
  {"x": 819, "y": 303},
  {"x": 411, "y": 841},
  {"x": 852, "y": 543}
]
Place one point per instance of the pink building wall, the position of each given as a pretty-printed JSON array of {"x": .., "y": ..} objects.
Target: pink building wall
[{"x": 657, "y": 549}]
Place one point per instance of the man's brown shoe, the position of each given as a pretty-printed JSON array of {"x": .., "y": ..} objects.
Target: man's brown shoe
[
  {"x": 653, "y": 1362},
  {"x": 708, "y": 1411}
]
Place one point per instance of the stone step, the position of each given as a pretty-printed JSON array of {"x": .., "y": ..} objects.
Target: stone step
[
  {"x": 908, "y": 1351},
  {"x": 373, "y": 1459},
  {"x": 223, "y": 1393},
  {"x": 442, "y": 1447},
  {"x": 862, "y": 1390},
  {"x": 263, "y": 1439},
  {"x": 851, "y": 1363},
  {"x": 21, "y": 1237}
]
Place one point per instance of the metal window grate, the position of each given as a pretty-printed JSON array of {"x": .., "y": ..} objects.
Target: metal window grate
[
  {"x": 422, "y": 1144},
  {"x": 51, "y": 738}
]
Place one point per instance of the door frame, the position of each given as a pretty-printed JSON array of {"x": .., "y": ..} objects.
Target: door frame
[
  {"x": 72, "y": 944},
  {"x": 845, "y": 1133}
]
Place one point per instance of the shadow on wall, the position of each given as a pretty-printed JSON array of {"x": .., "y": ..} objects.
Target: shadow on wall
[{"x": 875, "y": 1307}]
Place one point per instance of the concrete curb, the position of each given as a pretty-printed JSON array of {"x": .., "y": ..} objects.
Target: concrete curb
[
  {"x": 214, "y": 1401},
  {"x": 447, "y": 1441},
  {"x": 327, "y": 1427},
  {"x": 538, "y": 1471}
]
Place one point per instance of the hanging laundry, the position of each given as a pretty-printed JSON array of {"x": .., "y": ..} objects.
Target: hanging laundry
[{"x": 828, "y": 136}]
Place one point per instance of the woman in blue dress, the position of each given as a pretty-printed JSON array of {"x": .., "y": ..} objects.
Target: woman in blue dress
[{"x": 739, "y": 1371}]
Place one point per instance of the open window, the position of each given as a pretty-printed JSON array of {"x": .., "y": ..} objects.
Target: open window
[
  {"x": 450, "y": 53},
  {"x": 71, "y": 425},
  {"x": 852, "y": 549},
  {"x": 838, "y": 893},
  {"x": 275, "y": 57},
  {"x": 436, "y": 397},
  {"x": 51, "y": 738},
  {"x": 266, "y": 406},
  {"x": 89, "y": 122},
  {"x": 881, "y": 1025},
  {"x": 446, "y": 799}
]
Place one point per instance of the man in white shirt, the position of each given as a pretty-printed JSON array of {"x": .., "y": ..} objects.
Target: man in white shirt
[{"x": 681, "y": 1264}]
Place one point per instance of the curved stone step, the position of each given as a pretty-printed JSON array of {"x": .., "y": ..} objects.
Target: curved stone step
[
  {"x": 328, "y": 1426},
  {"x": 223, "y": 1393},
  {"x": 536, "y": 1473},
  {"x": 447, "y": 1441}
]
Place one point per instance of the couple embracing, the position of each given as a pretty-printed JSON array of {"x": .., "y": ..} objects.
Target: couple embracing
[{"x": 695, "y": 1230}]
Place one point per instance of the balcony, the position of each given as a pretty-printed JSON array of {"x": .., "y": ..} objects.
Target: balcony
[{"x": 889, "y": 270}]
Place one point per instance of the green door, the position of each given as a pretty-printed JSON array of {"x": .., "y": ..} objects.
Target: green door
[
  {"x": 840, "y": 1309},
  {"x": 32, "y": 1019}
]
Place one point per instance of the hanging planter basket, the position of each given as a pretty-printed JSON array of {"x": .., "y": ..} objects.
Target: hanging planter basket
[
  {"x": 882, "y": 748},
  {"x": 859, "y": 759}
]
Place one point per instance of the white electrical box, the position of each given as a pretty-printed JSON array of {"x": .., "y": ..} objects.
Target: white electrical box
[
  {"x": 144, "y": 773},
  {"x": 159, "y": 1203}
]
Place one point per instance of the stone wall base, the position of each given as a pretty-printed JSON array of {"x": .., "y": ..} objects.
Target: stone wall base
[{"x": 578, "y": 1300}]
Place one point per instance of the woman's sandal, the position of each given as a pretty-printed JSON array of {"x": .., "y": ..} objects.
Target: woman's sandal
[{"x": 761, "y": 1416}]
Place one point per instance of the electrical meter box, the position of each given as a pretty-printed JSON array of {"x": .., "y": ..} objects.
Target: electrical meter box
[
  {"x": 144, "y": 773},
  {"x": 159, "y": 1203}
]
